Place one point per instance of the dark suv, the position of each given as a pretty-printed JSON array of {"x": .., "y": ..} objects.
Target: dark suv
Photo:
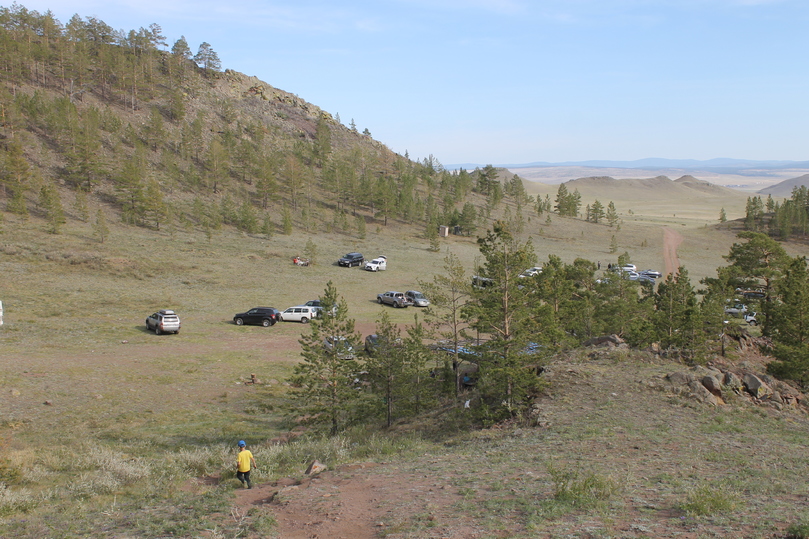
[
  {"x": 265, "y": 316},
  {"x": 351, "y": 259}
]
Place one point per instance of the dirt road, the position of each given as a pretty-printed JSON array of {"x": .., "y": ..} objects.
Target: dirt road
[{"x": 671, "y": 240}]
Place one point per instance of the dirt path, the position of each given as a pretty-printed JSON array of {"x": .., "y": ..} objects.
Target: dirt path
[{"x": 671, "y": 240}]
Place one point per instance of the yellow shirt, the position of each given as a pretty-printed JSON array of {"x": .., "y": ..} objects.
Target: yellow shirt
[{"x": 244, "y": 460}]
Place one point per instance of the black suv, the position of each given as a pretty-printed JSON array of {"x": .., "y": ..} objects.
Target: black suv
[
  {"x": 264, "y": 316},
  {"x": 351, "y": 259}
]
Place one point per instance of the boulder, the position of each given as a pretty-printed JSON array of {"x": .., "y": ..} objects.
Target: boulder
[
  {"x": 315, "y": 468},
  {"x": 712, "y": 384},
  {"x": 756, "y": 386},
  {"x": 680, "y": 378},
  {"x": 701, "y": 393},
  {"x": 732, "y": 382}
]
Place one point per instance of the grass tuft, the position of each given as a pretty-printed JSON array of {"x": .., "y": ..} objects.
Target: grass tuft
[
  {"x": 707, "y": 500},
  {"x": 580, "y": 489}
]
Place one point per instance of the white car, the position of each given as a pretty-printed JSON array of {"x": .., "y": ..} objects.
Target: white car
[
  {"x": 629, "y": 267},
  {"x": 340, "y": 346},
  {"x": 530, "y": 272},
  {"x": 379, "y": 263},
  {"x": 300, "y": 313}
]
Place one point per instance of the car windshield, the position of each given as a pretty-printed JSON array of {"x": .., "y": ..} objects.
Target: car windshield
[{"x": 417, "y": 295}]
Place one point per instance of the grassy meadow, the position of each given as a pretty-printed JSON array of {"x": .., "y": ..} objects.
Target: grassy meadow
[{"x": 106, "y": 427}]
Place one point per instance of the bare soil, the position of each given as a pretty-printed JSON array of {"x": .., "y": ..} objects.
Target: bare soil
[{"x": 671, "y": 241}]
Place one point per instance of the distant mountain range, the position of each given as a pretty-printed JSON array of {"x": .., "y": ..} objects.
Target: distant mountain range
[{"x": 719, "y": 165}]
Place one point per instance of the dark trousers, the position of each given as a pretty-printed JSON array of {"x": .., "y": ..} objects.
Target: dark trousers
[{"x": 244, "y": 477}]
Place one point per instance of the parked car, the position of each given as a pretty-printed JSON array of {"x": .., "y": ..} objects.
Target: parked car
[
  {"x": 629, "y": 267},
  {"x": 351, "y": 259},
  {"x": 481, "y": 282},
  {"x": 264, "y": 316},
  {"x": 750, "y": 318},
  {"x": 530, "y": 272},
  {"x": 654, "y": 274},
  {"x": 300, "y": 313},
  {"x": 379, "y": 263},
  {"x": 163, "y": 321},
  {"x": 418, "y": 299},
  {"x": 737, "y": 309},
  {"x": 372, "y": 342},
  {"x": 317, "y": 305},
  {"x": 752, "y": 294},
  {"x": 397, "y": 299},
  {"x": 641, "y": 277},
  {"x": 339, "y": 345}
]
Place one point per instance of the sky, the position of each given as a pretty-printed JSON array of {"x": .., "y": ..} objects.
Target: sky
[{"x": 517, "y": 81}]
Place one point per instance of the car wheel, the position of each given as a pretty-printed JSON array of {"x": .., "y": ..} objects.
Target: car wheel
[
  {"x": 265, "y": 322},
  {"x": 157, "y": 330},
  {"x": 379, "y": 300},
  {"x": 396, "y": 304},
  {"x": 753, "y": 323},
  {"x": 304, "y": 320},
  {"x": 281, "y": 318},
  {"x": 239, "y": 322}
]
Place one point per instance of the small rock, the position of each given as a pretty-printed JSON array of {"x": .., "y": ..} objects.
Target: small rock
[
  {"x": 48, "y": 403},
  {"x": 315, "y": 468}
]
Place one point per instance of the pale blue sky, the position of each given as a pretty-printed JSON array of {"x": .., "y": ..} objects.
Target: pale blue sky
[{"x": 516, "y": 81}]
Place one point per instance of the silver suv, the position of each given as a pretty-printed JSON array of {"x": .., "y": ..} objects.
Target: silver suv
[{"x": 163, "y": 321}]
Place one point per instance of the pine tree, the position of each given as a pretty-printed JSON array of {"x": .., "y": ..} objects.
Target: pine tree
[
  {"x": 100, "y": 228},
  {"x": 449, "y": 293},
  {"x": 51, "y": 204},
  {"x": 597, "y": 212},
  {"x": 287, "y": 224},
  {"x": 677, "y": 316},
  {"x": 790, "y": 324},
  {"x": 502, "y": 311},
  {"x": 612, "y": 214},
  {"x": 207, "y": 58},
  {"x": 323, "y": 383},
  {"x": 722, "y": 216}
]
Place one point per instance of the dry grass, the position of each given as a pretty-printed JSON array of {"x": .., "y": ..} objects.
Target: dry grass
[{"x": 132, "y": 417}]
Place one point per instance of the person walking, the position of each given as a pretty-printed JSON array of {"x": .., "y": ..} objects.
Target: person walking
[{"x": 243, "y": 461}]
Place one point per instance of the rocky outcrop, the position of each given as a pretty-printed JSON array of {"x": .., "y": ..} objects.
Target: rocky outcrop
[{"x": 713, "y": 385}]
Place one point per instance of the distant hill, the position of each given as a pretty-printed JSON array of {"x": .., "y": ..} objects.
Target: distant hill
[
  {"x": 684, "y": 187},
  {"x": 784, "y": 188}
]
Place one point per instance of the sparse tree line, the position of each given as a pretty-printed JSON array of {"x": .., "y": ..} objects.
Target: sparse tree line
[
  {"x": 100, "y": 111},
  {"x": 496, "y": 338},
  {"x": 782, "y": 220}
]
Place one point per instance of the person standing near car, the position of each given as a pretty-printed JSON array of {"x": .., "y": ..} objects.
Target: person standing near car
[{"x": 243, "y": 461}]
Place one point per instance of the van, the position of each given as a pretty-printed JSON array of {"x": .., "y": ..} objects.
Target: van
[{"x": 300, "y": 313}]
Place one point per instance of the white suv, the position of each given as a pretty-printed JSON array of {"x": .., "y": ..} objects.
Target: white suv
[
  {"x": 301, "y": 313},
  {"x": 163, "y": 321}
]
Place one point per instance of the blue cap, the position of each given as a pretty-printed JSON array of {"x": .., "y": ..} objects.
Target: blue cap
[{"x": 241, "y": 443}]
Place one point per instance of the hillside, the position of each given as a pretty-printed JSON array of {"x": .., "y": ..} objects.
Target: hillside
[
  {"x": 784, "y": 188},
  {"x": 97, "y": 119}
]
